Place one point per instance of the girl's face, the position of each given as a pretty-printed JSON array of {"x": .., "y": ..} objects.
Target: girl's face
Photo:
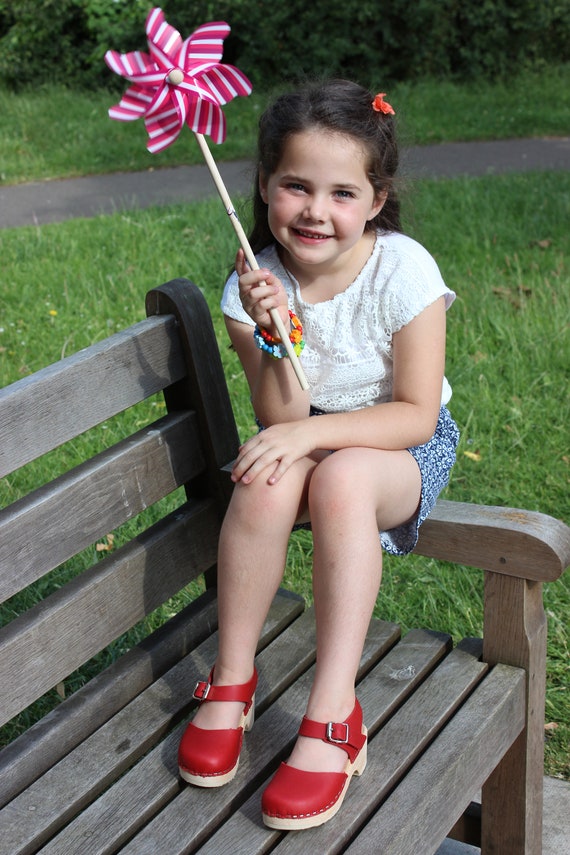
[{"x": 319, "y": 200}]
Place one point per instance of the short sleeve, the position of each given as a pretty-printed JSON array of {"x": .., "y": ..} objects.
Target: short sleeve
[
  {"x": 231, "y": 303},
  {"x": 413, "y": 282}
]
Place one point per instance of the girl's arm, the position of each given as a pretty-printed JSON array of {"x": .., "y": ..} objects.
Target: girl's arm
[
  {"x": 409, "y": 419},
  {"x": 275, "y": 392}
]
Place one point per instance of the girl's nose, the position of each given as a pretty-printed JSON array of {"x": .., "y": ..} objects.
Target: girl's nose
[{"x": 315, "y": 209}]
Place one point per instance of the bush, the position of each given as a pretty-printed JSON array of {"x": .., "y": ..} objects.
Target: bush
[
  {"x": 373, "y": 41},
  {"x": 63, "y": 41},
  {"x": 41, "y": 41}
]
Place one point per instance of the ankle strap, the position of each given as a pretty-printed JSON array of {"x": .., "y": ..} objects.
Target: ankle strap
[
  {"x": 345, "y": 734},
  {"x": 206, "y": 691}
]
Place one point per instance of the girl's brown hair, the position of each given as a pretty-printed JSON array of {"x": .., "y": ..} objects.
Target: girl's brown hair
[{"x": 338, "y": 106}]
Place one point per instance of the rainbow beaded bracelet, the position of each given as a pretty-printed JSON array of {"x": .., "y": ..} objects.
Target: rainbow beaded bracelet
[{"x": 274, "y": 346}]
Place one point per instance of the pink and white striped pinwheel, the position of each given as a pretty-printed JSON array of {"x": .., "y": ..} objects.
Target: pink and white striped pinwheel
[
  {"x": 183, "y": 82},
  {"x": 179, "y": 82}
]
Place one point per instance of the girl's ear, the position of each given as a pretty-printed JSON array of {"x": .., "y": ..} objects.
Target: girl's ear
[
  {"x": 262, "y": 185},
  {"x": 379, "y": 202}
]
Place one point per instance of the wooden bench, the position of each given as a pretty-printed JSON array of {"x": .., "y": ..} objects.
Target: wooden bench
[{"x": 98, "y": 773}]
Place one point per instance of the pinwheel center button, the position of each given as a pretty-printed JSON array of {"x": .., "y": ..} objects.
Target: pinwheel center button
[{"x": 175, "y": 76}]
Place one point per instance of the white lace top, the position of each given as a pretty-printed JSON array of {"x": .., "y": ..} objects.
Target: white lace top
[{"x": 348, "y": 340}]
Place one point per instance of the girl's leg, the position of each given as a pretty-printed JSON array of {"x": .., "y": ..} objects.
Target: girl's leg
[
  {"x": 353, "y": 493},
  {"x": 251, "y": 560}
]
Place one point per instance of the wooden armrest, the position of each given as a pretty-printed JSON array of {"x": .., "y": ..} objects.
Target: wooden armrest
[{"x": 513, "y": 542}]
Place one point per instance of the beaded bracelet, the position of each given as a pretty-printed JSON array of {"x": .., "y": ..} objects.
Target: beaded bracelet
[{"x": 274, "y": 346}]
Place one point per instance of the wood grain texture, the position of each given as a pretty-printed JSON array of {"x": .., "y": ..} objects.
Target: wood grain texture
[
  {"x": 515, "y": 633},
  {"x": 189, "y": 818},
  {"x": 65, "y": 789},
  {"x": 505, "y": 540},
  {"x": 416, "y": 817},
  {"x": 380, "y": 693},
  {"x": 46, "y": 644},
  {"x": 40, "y": 412},
  {"x": 103, "y": 493},
  {"x": 204, "y": 387},
  {"x": 396, "y": 746},
  {"x": 78, "y": 716}
]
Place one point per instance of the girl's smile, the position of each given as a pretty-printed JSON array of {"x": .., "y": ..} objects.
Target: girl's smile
[
  {"x": 319, "y": 200},
  {"x": 310, "y": 237}
]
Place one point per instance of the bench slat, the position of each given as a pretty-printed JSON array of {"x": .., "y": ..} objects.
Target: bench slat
[
  {"x": 125, "y": 808},
  {"x": 42, "y": 647},
  {"x": 442, "y": 783},
  {"x": 60, "y": 731},
  {"x": 63, "y": 400},
  {"x": 103, "y": 493},
  {"x": 504, "y": 540},
  {"x": 186, "y": 820},
  {"x": 37, "y": 813},
  {"x": 184, "y": 823},
  {"x": 381, "y": 692},
  {"x": 395, "y": 747}
]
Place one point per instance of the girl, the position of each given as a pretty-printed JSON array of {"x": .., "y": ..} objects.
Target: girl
[{"x": 369, "y": 304}]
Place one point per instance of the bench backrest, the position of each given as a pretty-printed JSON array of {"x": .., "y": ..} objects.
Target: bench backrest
[{"x": 173, "y": 351}]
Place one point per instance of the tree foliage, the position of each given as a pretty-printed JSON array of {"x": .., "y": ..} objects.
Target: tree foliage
[{"x": 372, "y": 41}]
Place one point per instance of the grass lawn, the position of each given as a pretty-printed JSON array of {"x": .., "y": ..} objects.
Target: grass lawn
[
  {"x": 51, "y": 132},
  {"x": 502, "y": 243}
]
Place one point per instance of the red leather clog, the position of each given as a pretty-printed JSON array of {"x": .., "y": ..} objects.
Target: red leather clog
[
  {"x": 210, "y": 758},
  {"x": 296, "y": 799}
]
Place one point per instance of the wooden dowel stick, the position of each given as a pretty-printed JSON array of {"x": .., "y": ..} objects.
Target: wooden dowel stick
[{"x": 251, "y": 260}]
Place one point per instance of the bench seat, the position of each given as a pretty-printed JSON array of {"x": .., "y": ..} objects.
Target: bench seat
[{"x": 119, "y": 789}]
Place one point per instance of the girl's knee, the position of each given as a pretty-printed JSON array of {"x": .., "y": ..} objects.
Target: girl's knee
[
  {"x": 259, "y": 505},
  {"x": 336, "y": 481},
  {"x": 255, "y": 500}
]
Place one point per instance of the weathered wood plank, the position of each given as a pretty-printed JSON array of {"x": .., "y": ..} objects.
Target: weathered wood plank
[
  {"x": 516, "y": 635},
  {"x": 60, "y": 731},
  {"x": 42, "y": 647},
  {"x": 40, "y": 811},
  {"x": 83, "y": 390},
  {"x": 104, "y": 492},
  {"x": 187, "y": 820},
  {"x": 418, "y": 815},
  {"x": 418, "y": 652},
  {"x": 205, "y": 385},
  {"x": 504, "y": 540},
  {"x": 127, "y": 806},
  {"x": 394, "y": 749}
]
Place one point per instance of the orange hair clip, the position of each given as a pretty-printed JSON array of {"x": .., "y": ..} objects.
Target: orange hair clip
[{"x": 382, "y": 106}]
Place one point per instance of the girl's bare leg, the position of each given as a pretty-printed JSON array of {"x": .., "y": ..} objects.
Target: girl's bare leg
[
  {"x": 353, "y": 493},
  {"x": 251, "y": 560}
]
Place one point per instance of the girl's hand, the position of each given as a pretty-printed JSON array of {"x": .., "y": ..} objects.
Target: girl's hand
[
  {"x": 259, "y": 292},
  {"x": 272, "y": 450}
]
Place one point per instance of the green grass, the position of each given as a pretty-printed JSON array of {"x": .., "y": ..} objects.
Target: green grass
[
  {"x": 88, "y": 142},
  {"x": 502, "y": 243}
]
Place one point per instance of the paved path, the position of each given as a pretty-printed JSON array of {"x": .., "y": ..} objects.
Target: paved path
[{"x": 54, "y": 201}]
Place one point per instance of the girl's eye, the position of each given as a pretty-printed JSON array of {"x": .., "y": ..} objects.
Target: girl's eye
[
  {"x": 295, "y": 186},
  {"x": 344, "y": 194}
]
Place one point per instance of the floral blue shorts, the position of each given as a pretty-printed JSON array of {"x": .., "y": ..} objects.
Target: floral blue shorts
[{"x": 435, "y": 459}]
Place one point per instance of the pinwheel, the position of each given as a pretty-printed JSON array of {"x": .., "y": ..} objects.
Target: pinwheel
[{"x": 184, "y": 82}]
